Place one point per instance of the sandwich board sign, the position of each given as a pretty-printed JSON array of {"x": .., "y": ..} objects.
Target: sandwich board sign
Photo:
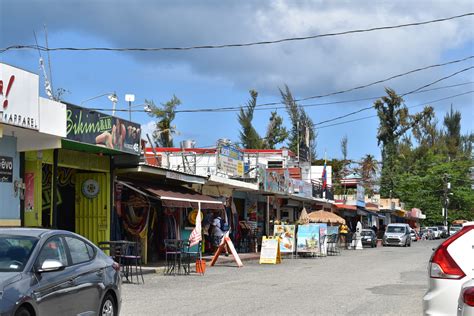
[{"x": 270, "y": 252}]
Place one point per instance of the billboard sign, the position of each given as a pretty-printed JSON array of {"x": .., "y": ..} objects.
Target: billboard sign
[
  {"x": 95, "y": 128},
  {"x": 230, "y": 161}
]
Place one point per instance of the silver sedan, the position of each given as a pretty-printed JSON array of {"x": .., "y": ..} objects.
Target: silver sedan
[{"x": 53, "y": 272}]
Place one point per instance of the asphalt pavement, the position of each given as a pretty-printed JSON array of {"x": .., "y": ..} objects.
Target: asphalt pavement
[{"x": 379, "y": 281}]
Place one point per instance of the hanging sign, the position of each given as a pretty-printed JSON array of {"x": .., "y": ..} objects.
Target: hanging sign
[
  {"x": 6, "y": 169},
  {"x": 286, "y": 233},
  {"x": 95, "y": 128},
  {"x": 270, "y": 252},
  {"x": 29, "y": 191}
]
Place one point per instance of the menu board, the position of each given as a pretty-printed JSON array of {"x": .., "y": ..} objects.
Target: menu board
[
  {"x": 287, "y": 237},
  {"x": 308, "y": 238},
  {"x": 270, "y": 252}
]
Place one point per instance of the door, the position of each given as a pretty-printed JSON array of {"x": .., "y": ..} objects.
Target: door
[
  {"x": 93, "y": 206},
  {"x": 54, "y": 291},
  {"x": 89, "y": 276}
]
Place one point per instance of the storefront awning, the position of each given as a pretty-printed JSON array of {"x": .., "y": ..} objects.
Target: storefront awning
[{"x": 176, "y": 196}]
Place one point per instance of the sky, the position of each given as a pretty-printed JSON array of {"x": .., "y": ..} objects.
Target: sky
[{"x": 213, "y": 78}]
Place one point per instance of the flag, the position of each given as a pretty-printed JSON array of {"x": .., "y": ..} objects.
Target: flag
[
  {"x": 324, "y": 176},
  {"x": 196, "y": 236}
]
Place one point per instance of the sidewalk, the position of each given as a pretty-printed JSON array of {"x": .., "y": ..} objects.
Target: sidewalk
[{"x": 160, "y": 267}]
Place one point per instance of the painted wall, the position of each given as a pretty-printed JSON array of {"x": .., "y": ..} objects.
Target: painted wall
[{"x": 9, "y": 203}]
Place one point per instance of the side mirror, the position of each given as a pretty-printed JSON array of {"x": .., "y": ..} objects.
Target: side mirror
[{"x": 50, "y": 265}]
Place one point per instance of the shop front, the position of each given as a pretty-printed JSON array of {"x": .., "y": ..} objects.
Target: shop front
[
  {"x": 27, "y": 122},
  {"x": 75, "y": 182}
]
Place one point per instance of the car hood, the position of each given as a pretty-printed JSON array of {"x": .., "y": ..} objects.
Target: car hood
[
  {"x": 7, "y": 278},
  {"x": 394, "y": 234}
]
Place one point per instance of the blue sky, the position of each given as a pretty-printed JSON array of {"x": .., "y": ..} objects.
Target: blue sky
[{"x": 223, "y": 77}]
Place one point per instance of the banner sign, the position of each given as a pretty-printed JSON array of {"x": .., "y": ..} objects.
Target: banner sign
[
  {"x": 275, "y": 182},
  {"x": 360, "y": 196},
  {"x": 301, "y": 188},
  {"x": 270, "y": 252},
  {"x": 29, "y": 192},
  {"x": 6, "y": 169},
  {"x": 308, "y": 238},
  {"x": 286, "y": 233},
  {"x": 230, "y": 161},
  {"x": 95, "y": 128},
  {"x": 19, "y": 97}
]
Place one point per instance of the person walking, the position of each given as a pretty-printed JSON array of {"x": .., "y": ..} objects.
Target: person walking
[{"x": 343, "y": 231}]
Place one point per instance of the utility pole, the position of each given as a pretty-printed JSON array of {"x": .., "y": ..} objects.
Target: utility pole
[{"x": 446, "y": 188}]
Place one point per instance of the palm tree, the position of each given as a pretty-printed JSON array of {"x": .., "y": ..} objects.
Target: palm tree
[
  {"x": 368, "y": 170},
  {"x": 248, "y": 135},
  {"x": 163, "y": 134}
]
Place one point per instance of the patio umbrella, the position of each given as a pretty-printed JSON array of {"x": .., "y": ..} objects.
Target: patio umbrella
[
  {"x": 304, "y": 219},
  {"x": 325, "y": 217}
]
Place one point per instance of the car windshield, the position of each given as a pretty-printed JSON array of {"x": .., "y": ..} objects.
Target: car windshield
[
  {"x": 395, "y": 229},
  {"x": 366, "y": 233},
  {"x": 15, "y": 251}
]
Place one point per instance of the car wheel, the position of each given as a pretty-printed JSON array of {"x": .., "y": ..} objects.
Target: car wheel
[
  {"x": 23, "y": 311},
  {"x": 108, "y": 306}
]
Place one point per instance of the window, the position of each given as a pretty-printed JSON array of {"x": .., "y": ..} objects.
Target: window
[
  {"x": 80, "y": 251},
  {"x": 15, "y": 251},
  {"x": 53, "y": 249},
  {"x": 275, "y": 164}
]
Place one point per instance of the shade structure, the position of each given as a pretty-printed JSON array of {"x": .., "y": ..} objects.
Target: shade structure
[
  {"x": 304, "y": 219},
  {"x": 325, "y": 217}
]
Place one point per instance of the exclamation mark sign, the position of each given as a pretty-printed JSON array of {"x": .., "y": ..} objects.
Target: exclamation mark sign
[{"x": 10, "y": 84}]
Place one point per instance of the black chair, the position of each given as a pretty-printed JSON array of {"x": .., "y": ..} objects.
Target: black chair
[
  {"x": 333, "y": 245},
  {"x": 132, "y": 259},
  {"x": 173, "y": 248},
  {"x": 188, "y": 255}
]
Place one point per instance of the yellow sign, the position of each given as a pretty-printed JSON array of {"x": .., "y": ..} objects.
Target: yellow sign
[{"x": 270, "y": 252}]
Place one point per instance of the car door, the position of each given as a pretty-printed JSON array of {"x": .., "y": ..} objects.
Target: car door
[
  {"x": 53, "y": 290},
  {"x": 89, "y": 274}
]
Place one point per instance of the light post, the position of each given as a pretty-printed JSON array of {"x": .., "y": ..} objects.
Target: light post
[
  {"x": 130, "y": 98},
  {"x": 110, "y": 95},
  {"x": 113, "y": 97}
]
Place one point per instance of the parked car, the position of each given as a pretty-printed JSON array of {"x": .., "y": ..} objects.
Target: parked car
[
  {"x": 369, "y": 238},
  {"x": 436, "y": 232},
  {"x": 413, "y": 235},
  {"x": 426, "y": 234},
  {"x": 466, "y": 299},
  {"x": 451, "y": 266},
  {"x": 53, "y": 272},
  {"x": 397, "y": 235},
  {"x": 443, "y": 231},
  {"x": 454, "y": 229}
]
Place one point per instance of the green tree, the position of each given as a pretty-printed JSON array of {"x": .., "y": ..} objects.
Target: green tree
[
  {"x": 395, "y": 121},
  {"x": 249, "y": 137},
  {"x": 165, "y": 114},
  {"x": 368, "y": 171},
  {"x": 302, "y": 126},
  {"x": 276, "y": 132},
  {"x": 452, "y": 122}
]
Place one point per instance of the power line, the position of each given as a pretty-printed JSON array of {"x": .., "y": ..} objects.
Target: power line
[
  {"x": 237, "y": 108},
  {"x": 268, "y": 42},
  {"x": 371, "y": 116},
  {"x": 402, "y": 95}
]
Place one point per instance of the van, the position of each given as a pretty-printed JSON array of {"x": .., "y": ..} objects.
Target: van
[{"x": 397, "y": 235}]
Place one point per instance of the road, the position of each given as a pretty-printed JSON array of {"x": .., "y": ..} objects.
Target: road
[{"x": 380, "y": 281}]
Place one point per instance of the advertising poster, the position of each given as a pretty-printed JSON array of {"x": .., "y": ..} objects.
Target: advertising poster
[
  {"x": 308, "y": 238},
  {"x": 95, "y": 128},
  {"x": 323, "y": 228},
  {"x": 29, "y": 192},
  {"x": 270, "y": 252},
  {"x": 230, "y": 160},
  {"x": 287, "y": 237},
  {"x": 6, "y": 169}
]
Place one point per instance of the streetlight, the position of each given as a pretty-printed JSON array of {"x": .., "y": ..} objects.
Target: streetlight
[
  {"x": 113, "y": 97},
  {"x": 130, "y": 98}
]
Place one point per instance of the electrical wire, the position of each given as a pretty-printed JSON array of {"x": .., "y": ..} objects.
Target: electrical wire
[
  {"x": 402, "y": 95},
  {"x": 237, "y": 108},
  {"x": 267, "y": 42},
  {"x": 409, "y": 107}
]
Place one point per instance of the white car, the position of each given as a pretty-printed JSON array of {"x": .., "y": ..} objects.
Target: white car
[
  {"x": 436, "y": 232},
  {"x": 466, "y": 300},
  {"x": 451, "y": 266}
]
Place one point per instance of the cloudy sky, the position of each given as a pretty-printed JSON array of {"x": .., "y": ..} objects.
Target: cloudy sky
[{"x": 222, "y": 77}]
